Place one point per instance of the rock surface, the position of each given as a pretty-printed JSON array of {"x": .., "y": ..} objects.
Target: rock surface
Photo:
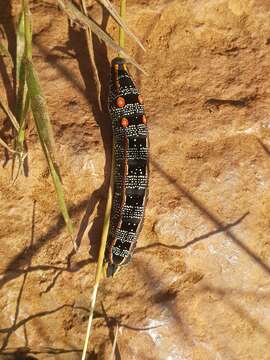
[{"x": 199, "y": 286}]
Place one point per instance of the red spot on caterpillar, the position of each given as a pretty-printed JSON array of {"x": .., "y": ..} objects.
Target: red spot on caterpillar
[
  {"x": 144, "y": 119},
  {"x": 124, "y": 122},
  {"x": 140, "y": 99},
  {"x": 120, "y": 102}
]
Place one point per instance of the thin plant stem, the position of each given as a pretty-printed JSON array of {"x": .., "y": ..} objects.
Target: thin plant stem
[
  {"x": 9, "y": 113},
  {"x": 109, "y": 6},
  {"x": 99, "y": 265},
  {"x": 2, "y": 142},
  {"x": 121, "y": 30},
  {"x": 88, "y": 34},
  {"x": 28, "y": 32},
  {"x": 114, "y": 342}
]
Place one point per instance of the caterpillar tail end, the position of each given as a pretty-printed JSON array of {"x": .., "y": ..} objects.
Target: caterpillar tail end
[{"x": 111, "y": 270}]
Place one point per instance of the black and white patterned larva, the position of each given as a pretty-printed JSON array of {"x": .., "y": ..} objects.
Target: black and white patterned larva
[{"x": 131, "y": 170}]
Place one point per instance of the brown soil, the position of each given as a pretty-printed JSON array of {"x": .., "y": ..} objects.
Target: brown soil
[{"x": 198, "y": 287}]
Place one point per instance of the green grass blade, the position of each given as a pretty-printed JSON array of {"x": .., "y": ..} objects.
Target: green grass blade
[
  {"x": 85, "y": 22},
  {"x": 20, "y": 49},
  {"x": 39, "y": 108},
  {"x": 21, "y": 87},
  {"x": 41, "y": 117},
  {"x": 21, "y": 133},
  {"x": 111, "y": 9},
  {"x": 4, "y": 52},
  {"x": 22, "y": 96},
  {"x": 44, "y": 129},
  {"x": 60, "y": 193},
  {"x": 20, "y": 140},
  {"x": 121, "y": 30},
  {"x": 27, "y": 29}
]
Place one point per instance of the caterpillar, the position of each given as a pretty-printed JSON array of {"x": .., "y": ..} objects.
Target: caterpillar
[{"x": 131, "y": 170}]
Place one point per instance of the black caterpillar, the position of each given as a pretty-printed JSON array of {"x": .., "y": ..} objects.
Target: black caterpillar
[{"x": 131, "y": 170}]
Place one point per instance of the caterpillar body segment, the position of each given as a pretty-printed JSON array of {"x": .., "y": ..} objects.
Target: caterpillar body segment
[{"x": 131, "y": 170}]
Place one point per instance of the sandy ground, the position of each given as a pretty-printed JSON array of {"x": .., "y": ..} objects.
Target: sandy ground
[{"x": 198, "y": 287}]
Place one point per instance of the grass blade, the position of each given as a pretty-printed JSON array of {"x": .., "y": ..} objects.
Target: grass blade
[
  {"x": 20, "y": 139},
  {"x": 85, "y": 22},
  {"x": 2, "y": 142},
  {"x": 111, "y": 9},
  {"x": 39, "y": 108},
  {"x": 99, "y": 269},
  {"x": 4, "y": 52},
  {"x": 22, "y": 105},
  {"x": 114, "y": 342},
  {"x": 88, "y": 34},
  {"x": 20, "y": 48},
  {"x": 9, "y": 114},
  {"x": 41, "y": 116},
  {"x": 100, "y": 264},
  {"x": 44, "y": 129},
  {"x": 121, "y": 30},
  {"x": 60, "y": 195},
  {"x": 22, "y": 96}
]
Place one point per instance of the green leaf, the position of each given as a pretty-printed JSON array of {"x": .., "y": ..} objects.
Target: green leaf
[
  {"x": 4, "y": 52},
  {"x": 22, "y": 96},
  {"x": 22, "y": 105},
  {"x": 39, "y": 107},
  {"x": 20, "y": 48},
  {"x": 44, "y": 129}
]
